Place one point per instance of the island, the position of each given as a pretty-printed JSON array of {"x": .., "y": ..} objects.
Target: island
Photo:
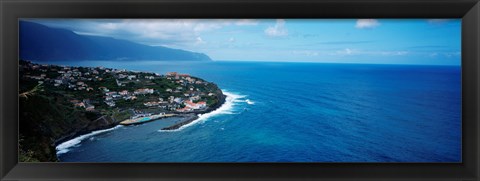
[{"x": 58, "y": 103}]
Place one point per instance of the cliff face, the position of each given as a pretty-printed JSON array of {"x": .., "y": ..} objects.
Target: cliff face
[
  {"x": 103, "y": 122},
  {"x": 220, "y": 97},
  {"x": 48, "y": 120}
]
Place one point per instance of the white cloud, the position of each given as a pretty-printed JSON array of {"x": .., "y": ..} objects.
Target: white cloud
[
  {"x": 438, "y": 21},
  {"x": 188, "y": 34},
  {"x": 246, "y": 22},
  {"x": 199, "y": 41},
  {"x": 231, "y": 40},
  {"x": 366, "y": 23},
  {"x": 394, "y": 53},
  {"x": 444, "y": 54},
  {"x": 108, "y": 26},
  {"x": 453, "y": 54},
  {"x": 170, "y": 32},
  {"x": 277, "y": 30},
  {"x": 176, "y": 33},
  {"x": 348, "y": 51},
  {"x": 305, "y": 52}
]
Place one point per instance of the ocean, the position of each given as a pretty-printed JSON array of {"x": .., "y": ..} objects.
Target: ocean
[{"x": 295, "y": 112}]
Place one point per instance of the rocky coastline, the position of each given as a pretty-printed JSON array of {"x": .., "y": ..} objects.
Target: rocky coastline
[
  {"x": 60, "y": 103},
  {"x": 103, "y": 122},
  {"x": 192, "y": 116},
  {"x": 106, "y": 122}
]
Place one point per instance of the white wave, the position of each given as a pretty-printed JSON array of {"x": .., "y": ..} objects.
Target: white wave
[
  {"x": 64, "y": 147},
  {"x": 226, "y": 108},
  {"x": 248, "y": 101}
]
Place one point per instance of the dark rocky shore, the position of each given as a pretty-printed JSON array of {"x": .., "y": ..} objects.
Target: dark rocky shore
[
  {"x": 190, "y": 117},
  {"x": 106, "y": 122},
  {"x": 103, "y": 122}
]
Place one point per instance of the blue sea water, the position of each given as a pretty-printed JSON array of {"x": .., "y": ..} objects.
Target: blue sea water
[{"x": 297, "y": 112}]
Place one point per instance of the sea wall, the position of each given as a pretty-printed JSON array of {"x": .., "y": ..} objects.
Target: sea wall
[{"x": 187, "y": 118}]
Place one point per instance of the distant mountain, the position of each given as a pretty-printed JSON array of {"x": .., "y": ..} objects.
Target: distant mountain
[{"x": 42, "y": 43}]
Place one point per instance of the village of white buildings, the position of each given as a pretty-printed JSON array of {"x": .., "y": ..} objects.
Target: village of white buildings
[{"x": 184, "y": 93}]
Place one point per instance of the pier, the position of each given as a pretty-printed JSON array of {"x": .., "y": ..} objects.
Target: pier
[{"x": 141, "y": 120}]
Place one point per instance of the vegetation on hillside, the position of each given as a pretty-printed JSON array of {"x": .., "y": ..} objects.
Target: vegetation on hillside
[{"x": 58, "y": 103}]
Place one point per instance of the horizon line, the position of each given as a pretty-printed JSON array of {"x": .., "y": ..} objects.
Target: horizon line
[
  {"x": 274, "y": 61},
  {"x": 244, "y": 61}
]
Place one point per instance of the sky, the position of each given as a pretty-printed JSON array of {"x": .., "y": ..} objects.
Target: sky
[{"x": 376, "y": 41}]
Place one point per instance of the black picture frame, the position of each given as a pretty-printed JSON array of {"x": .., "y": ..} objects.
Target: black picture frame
[{"x": 12, "y": 10}]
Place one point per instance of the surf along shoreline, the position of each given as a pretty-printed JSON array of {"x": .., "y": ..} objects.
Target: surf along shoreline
[
  {"x": 193, "y": 115},
  {"x": 61, "y": 146}
]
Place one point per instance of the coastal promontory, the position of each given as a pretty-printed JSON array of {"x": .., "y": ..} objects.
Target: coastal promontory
[{"x": 59, "y": 103}]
